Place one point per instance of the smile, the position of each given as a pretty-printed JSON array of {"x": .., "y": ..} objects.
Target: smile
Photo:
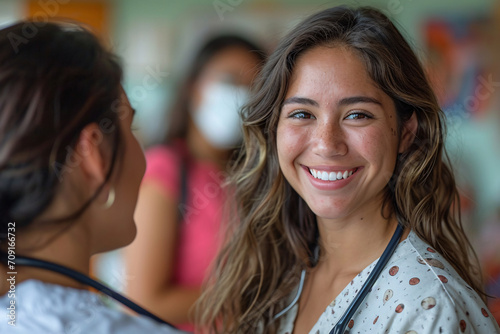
[{"x": 331, "y": 176}]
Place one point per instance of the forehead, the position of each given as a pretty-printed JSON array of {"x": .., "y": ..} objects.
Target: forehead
[
  {"x": 236, "y": 64},
  {"x": 332, "y": 73}
]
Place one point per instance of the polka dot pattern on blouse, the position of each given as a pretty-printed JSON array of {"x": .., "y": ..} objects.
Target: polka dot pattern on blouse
[{"x": 417, "y": 292}]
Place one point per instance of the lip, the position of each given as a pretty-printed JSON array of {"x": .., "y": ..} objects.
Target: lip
[{"x": 330, "y": 185}]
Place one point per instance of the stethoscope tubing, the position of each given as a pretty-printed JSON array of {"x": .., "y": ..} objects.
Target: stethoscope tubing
[
  {"x": 339, "y": 328},
  {"x": 86, "y": 280},
  {"x": 366, "y": 288}
]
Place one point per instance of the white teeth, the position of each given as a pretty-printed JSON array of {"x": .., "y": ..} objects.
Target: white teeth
[{"x": 332, "y": 176}]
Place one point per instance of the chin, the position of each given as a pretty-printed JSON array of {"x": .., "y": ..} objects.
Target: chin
[
  {"x": 329, "y": 214},
  {"x": 121, "y": 238},
  {"x": 130, "y": 235}
]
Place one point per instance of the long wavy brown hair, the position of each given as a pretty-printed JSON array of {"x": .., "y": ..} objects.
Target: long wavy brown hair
[{"x": 274, "y": 230}]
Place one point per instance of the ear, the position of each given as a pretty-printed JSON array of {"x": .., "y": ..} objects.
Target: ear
[
  {"x": 89, "y": 150},
  {"x": 408, "y": 133}
]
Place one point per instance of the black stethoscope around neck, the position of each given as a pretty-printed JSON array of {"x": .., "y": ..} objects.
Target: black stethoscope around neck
[
  {"x": 365, "y": 289},
  {"x": 86, "y": 280}
]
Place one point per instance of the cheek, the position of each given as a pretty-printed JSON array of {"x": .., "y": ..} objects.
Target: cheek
[
  {"x": 379, "y": 146},
  {"x": 135, "y": 160},
  {"x": 287, "y": 144},
  {"x": 285, "y": 151},
  {"x": 141, "y": 159},
  {"x": 139, "y": 163},
  {"x": 290, "y": 139}
]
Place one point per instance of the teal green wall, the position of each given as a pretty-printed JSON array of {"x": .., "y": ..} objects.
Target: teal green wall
[
  {"x": 136, "y": 21},
  {"x": 408, "y": 13}
]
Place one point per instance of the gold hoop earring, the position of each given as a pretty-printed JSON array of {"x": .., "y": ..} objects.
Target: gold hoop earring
[{"x": 111, "y": 198}]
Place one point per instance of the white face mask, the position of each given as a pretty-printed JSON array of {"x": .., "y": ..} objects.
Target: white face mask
[{"x": 218, "y": 116}]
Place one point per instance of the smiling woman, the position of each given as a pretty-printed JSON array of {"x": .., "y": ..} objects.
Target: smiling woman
[
  {"x": 344, "y": 195},
  {"x": 336, "y": 138}
]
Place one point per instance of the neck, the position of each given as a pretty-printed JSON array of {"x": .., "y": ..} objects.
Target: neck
[
  {"x": 61, "y": 247},
  {"x": 349, "y": 245}
]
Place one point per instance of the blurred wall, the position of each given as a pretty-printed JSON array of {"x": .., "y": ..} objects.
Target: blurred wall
[
  {"x": 159, "y": 36},
  {"x": 155, "y": 38}
]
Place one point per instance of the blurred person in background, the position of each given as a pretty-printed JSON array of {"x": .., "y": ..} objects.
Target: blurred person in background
[
  {"x": 70, "y": 171},
  {"x": 180, "y": 207}
]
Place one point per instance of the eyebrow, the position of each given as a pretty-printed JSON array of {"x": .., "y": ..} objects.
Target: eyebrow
[
  {"x": 343, "y": 102},
  {"x": 300, "y": 100},
  {"x": 358, "y": 99}
]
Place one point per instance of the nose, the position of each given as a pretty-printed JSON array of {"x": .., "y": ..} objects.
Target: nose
[{"x": 329, "y": 139}]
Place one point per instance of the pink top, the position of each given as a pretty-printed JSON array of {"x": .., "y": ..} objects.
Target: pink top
[{"x": 199, "y": 231}]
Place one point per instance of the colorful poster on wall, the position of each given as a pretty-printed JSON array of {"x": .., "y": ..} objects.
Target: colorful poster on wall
[{"x": 454, "y": 65}]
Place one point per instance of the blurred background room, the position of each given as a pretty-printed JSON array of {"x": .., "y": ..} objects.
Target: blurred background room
[{"x": 457, "y": 40}]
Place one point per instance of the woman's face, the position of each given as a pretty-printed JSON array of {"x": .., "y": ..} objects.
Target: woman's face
[
  {"x": 219, "y": 92},
  {"x": 234, "y": 65},
  {"x": 128, "y": 173},
  {"x": 337, "y": 135}
]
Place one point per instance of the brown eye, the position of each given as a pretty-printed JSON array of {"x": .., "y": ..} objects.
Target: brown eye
[
  {"x": 301, "y": 115},
  {"x": 357, "y": 115}
]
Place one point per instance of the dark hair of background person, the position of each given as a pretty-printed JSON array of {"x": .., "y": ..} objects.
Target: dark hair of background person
[
  {"x": 275, "y": 230},
  {"x": 53, "y": 82},
  {"x": 179, "y": 111}
]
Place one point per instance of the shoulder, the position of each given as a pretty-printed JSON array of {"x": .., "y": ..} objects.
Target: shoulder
[
  {"x": 107, "y": 320},
  {"x": 48, "y": 308},
  {"x": 421, "y": 291}
]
